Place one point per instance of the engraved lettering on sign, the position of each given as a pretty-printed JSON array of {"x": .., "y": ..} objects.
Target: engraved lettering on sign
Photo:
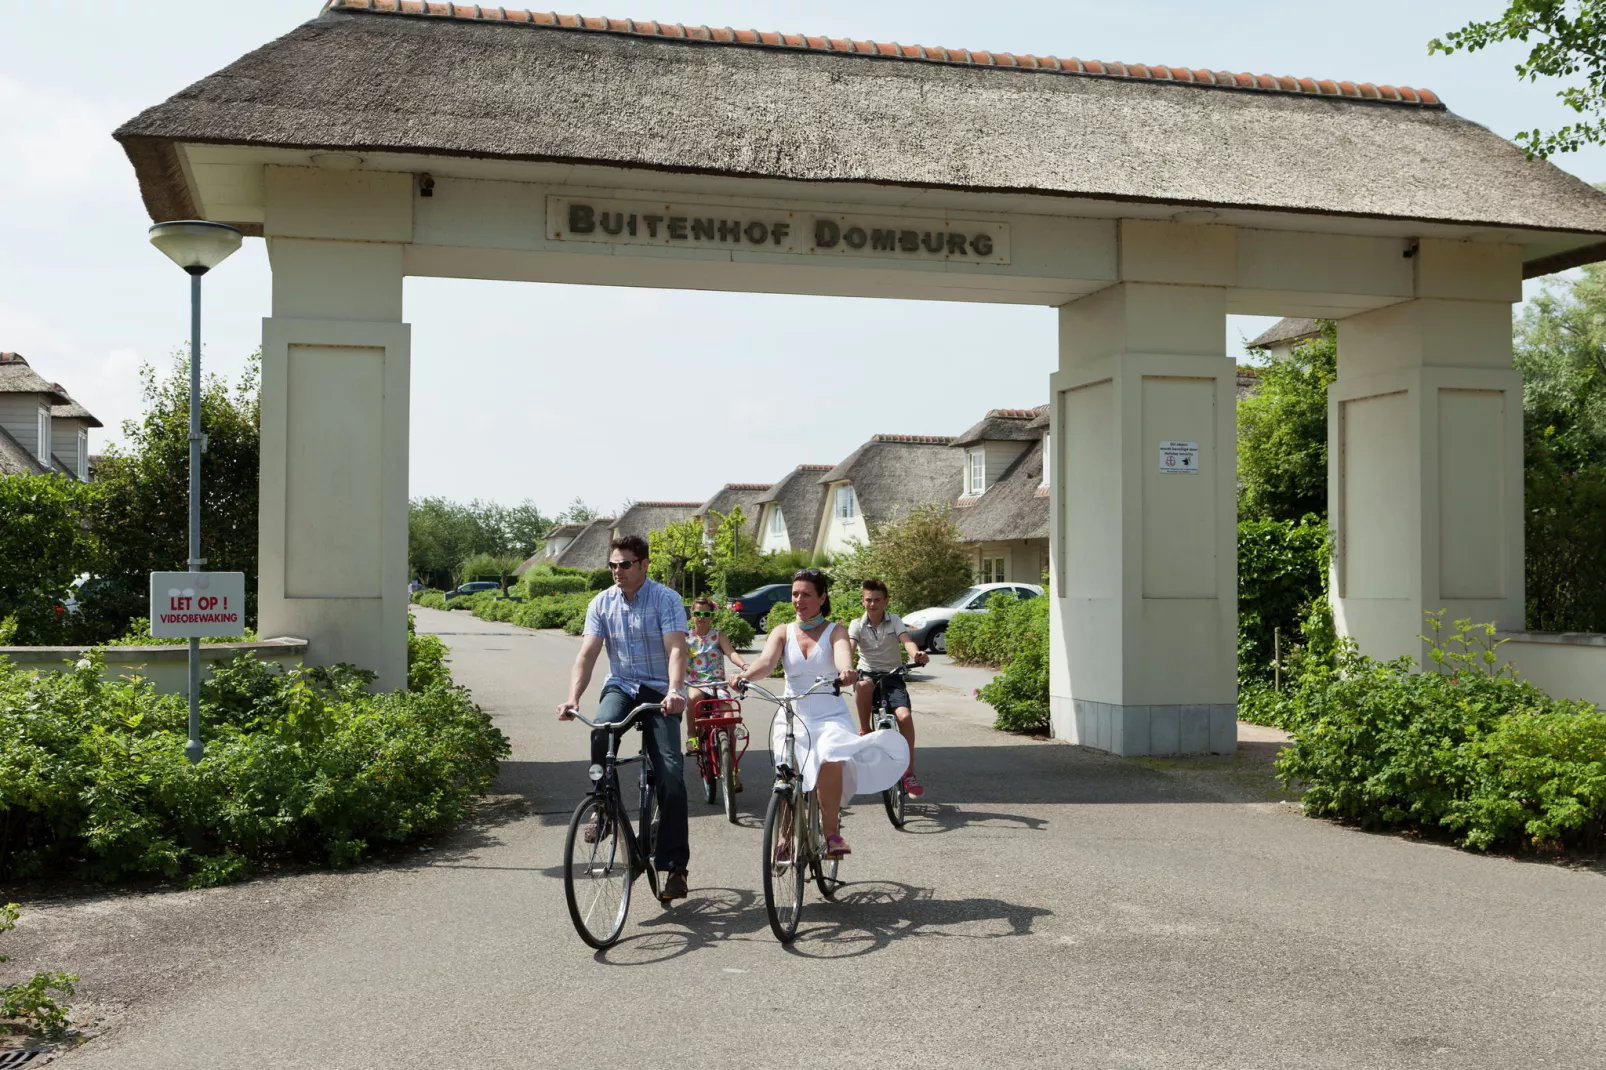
[{"x": 720, "y": 229}]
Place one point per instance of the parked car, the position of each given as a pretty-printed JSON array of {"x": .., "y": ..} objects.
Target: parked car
[
  {"x": 474, "y": 588},
  {"x": 929, "y": 627},
  {"x": 754, "y": 606}
]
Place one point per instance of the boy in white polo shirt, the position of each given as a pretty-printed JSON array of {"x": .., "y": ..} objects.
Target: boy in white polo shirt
[{"x": 876, "y": 637}]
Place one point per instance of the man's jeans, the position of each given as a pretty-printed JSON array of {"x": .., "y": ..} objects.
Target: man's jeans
[{"x": 662, "y": 741}]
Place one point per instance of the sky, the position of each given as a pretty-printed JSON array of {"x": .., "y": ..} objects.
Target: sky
[{"x": 548, "y": 393}]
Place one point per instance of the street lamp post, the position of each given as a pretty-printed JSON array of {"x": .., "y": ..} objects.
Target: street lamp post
[{"x": 196, "y": 246}]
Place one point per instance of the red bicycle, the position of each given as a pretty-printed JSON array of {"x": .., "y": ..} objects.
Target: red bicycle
[{"x": 721, "y": 742}]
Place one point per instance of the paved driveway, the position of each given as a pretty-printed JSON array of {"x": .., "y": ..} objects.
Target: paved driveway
[{"x": 1048, "y": 906}]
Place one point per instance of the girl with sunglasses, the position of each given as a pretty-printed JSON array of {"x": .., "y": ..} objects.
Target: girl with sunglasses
[{"x": 709, "y": 647}]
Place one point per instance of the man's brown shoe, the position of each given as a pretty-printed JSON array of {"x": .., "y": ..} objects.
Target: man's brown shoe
[{"x": 674, "y": 886}]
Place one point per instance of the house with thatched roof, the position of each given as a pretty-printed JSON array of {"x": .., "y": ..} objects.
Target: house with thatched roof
[
  {"x": 792, "y": 506},
  {"x": 553, "y": 543},
  {"x": 745, "y": 496},
  {"x": 1003, "y": 513},
  {"x": 885, "y": 478},
  {"x": 1282, "y": 336},
  {"x": 42, "y": 429},
  {"x": 589, "y": 548},
  {"x": 1002, "y": 510},
  {"x": 644, "y": 518}
]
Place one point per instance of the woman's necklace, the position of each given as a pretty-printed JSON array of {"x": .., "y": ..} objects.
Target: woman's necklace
[{"x": 812, "y": 623}]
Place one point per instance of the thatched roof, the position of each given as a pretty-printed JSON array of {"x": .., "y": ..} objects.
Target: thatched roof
[
  {"x": 590, "y": 548},
  {"x": 746, "y": 495},
  {"x": 1040, "y": 421},
  {"x": 564, "y": 531},
  {"x": 72, "y": 410},
  {"x": 643, "y": 518},
  {"x": 799, "y": 496},
  {"x": 478, "y": 81},
  {"x": 891, "y": 474},
  {"x": 1286, "y": 331},
  {"x": 1015, "y": 507},
  {"x": 16, "y": 377},
  {"x": 1003, "y": 425},
  {"x": 15, "y": 460}
]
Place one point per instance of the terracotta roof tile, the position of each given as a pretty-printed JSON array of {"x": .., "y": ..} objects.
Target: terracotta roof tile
[
  {"x": 747, "y": 486},
  {"x": 892, "y": 50},
  {"x": 918, "y": 440}
]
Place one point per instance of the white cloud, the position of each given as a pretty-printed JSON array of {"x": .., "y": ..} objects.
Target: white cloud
[{"x": 58, "y": 143}]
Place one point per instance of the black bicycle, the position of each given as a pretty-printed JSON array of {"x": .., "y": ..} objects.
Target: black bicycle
[
  {"x": 794, "y": 836},
  {"x": 599, "y": 874},
  {"x": 896, "y": 797}
]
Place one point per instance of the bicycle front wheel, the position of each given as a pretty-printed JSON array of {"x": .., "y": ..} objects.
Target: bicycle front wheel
[
  {"x": 597, "y": 876},
  {"x": 726, "y": 749},
  {"x": 708, "y": 759},
  {"x": 783, "y": 863},
  {"x": 893, "y": 799}
]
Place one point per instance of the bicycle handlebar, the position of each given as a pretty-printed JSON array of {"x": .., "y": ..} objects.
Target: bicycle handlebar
[
  {"x": 619, "y": 728},
  {"x": 901, "y": 670},
  {"x": 743, "y": 686}
]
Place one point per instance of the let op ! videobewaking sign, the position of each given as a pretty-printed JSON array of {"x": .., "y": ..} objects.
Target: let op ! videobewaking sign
[{"x": 198, "y": 605}]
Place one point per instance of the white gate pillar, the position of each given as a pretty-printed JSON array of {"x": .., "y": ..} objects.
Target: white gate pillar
[
  {"x": 1425, "y": 471},
  {"x": 1143, "y": 652},
  {"x": 335, "y": 371}
]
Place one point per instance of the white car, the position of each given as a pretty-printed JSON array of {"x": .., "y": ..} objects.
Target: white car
[{"x": 929, "y": 627}]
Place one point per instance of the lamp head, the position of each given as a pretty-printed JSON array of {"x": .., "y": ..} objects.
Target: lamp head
[{"x": 195, "y": 245}]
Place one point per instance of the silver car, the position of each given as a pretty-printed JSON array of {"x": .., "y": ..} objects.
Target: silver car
[{"x": 929, "y": 627}]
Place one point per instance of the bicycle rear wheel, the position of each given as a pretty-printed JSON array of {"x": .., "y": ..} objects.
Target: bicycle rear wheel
[
  {"x": 647, "y": 837},
  {"x": 783, "y": 863},
  {"x": 726, "y": 749},
  {"x": 597, "y": 876}
]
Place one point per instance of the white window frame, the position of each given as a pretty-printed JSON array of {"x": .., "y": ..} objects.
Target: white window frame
[
  {"x": 43, "y": 453},
  {"x": 975, "y": 470},
  {"x": 1048, "y": 458},
  {"x": 83, "y": 455},
  {"x": 777, "y": 522},
  {"x": 842, "y": 505},
  {"x": 992, "y": 570}
]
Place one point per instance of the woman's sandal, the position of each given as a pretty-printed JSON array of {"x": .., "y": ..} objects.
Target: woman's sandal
[{"x": 836, "y": 847}]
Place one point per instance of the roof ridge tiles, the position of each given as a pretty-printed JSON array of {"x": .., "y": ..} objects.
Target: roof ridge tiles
[
  {"x": 748, "y": 486},
  {"x": 918, "y": 440},
  {"x": 665, "y": 503},
  {"x": 724, "y": 35}
]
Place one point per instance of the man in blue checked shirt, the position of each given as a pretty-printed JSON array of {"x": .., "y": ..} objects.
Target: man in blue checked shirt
[{"x": 643, "y": 625}]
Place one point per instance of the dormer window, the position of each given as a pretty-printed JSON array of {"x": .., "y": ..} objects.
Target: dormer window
[
  {"x": 844, "y": 503},
  {"x": 43, "y": 452},
  {"x": 1048, "y": 458},
  {"x": 777, "y": 524},
  {"x": 83, "y": 455},
  {"x": 975, "y": 471}
]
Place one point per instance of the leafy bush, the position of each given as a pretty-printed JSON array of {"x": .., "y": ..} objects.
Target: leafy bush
[
  {"x": 306, "y": 763},
  {"x": 992, "y": 637},
  {"x": 1282, "y": 573},
  {"x": 30, "y": 1002},
  {"x": 1019, "y": 693},
  {"x": 919, "y": 555},
  {"x": 426, "y": 661},
  {"x": 599, "y": 579},
  {"x": 539, "y": 585},
  {"x": 1566, "y": 556},
  {"x": 1282, "y": 433},
  {"x": 430, "y": 599},
  {"x": 1464, "y": 748},
  {"x": 842, "y": 611},
  {"x": 737, "y": 630},
  {"x": 552, "y": 611}
]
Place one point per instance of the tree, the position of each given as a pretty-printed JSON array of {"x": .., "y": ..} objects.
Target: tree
[
  {"x": 677, "y": 554},
  {"x": 498, "y": 567},
  {"x": 1282, "y": 434},
  {"x": 731, "y": 552},
  {"x": 1568, "y": 41},
  {"x": 919, "y": 555},
  {"x": 1560, "y": 349},
  {"x": 525, "y": 528},
  {"x": 442, "y": 535},
  {"x": 140, "y": 514},
  {"x": 578, "y": 512},
  {"x": 44, "y": 546}
]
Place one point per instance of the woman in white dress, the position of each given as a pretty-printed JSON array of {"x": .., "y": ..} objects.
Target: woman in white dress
[{"x": 832, "y": 752}]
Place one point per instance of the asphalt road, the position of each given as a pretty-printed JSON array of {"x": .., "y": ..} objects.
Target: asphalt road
[{"x": 1048, "y": 906}]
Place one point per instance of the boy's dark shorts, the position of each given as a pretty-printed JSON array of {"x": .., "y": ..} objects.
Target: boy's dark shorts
[{"x": 892, "y": 687}]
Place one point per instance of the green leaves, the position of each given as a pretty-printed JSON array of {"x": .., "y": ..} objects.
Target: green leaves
[
  {"x": 1282, "y": 434},
  {"x": 1568, "y": 40},
  {"x": 43, "y": 547}
]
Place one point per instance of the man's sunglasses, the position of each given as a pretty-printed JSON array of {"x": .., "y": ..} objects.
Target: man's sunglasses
[
  {"x": 621, "y": 566},
  {"x": 702, "y": 612}
]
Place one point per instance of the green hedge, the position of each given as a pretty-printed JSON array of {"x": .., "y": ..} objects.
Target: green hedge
[
  {"x": 737, "y": 630},
  {"x": 599, "y": 579},
  {"x": 541, "y": 586},
  {"x": 1282, "y": 572},
  {"x": 1464, "y": 749},
  {"x": 430, "y": 599},
  {"x": 553, "y": 611},
  {"x": 302, "y": 764},
  {"x": 991, "y": 638},
  {"x": 741, "y": 580}
]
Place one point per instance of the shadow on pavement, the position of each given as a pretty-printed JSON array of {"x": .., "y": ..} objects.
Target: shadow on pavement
[{"x": 868, "y": 916}]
